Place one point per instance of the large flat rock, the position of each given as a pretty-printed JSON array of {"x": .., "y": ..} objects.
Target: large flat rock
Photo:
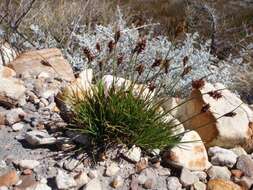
[
  {"x": 190, "y": 153},
  {"x": 49, "y": 61},
  {"x": 214, "y": 128}
]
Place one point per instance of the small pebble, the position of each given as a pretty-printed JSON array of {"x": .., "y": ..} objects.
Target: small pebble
[
  {"x": 17, "y": 126},
  {"x": 117, "y": 182}
]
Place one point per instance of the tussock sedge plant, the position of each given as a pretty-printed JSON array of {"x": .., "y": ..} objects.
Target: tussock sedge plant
[
  {"x": 122, "y": 117},
  {"x": 128, "y": 111}
]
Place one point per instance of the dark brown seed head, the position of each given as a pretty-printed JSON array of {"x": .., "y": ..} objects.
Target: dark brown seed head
[
  {"x": 100, "y": 65},
  {"x": 230, "y": 114},
  {"x": 156, "y": 63},
  {"x": 140, "y": 46},
  {"x": 205, "y": 108},
  {"x": 120, "y": 60},
  {"x": 98, "y": 47},
  {"x": 166, "y": 65},
  {"x": 151, "y": 86},
  {"x": 111, "y": 46},
  {"x": 185, "y": 60},
  {"x": 140, "y": 69},
  {"x": 88, "y": 54},
  {"x": 198, "y": 84},
  {"x": 117, "y": 36},
  {"x": 215, "y": 94},
  {"x": 46, "y": 63},
  {"x": 186, "y": 71}
]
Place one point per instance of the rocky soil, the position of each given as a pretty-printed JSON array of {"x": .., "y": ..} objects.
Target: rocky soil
[{"x": 35, "y": 148}]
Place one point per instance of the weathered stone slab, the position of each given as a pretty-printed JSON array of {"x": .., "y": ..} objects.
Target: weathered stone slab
[
  {"x": 49, "y": 61},
  {"x": 214, "y": 128}
]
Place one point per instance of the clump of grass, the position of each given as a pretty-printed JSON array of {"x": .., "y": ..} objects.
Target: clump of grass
[
  {"x": 120, "y": 117},
  {"x": 128, "y": 111}
]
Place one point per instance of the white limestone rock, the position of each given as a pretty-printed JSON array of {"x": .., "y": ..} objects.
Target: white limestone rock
[
  {"x": 238, "y": 150},
  {"x": 215, "y": 130},
  {"x": 27, "y": 164},
  {"x": 14, "y": 115},
  {"x": 64, "y": 181},
  {"x": 93, "y": 174},
  {"x": 222, "y": 157},
  {"x": 187, "y": 178},
  {"x": 191, "y": 155},
  {"x": 117, "y": 182},
  {"x": 112, "y": 169},
  {"x": 133, "y": 154},
  {"x": 17, "y": 126},
  {"x": 94, "y": 184},
  {"x": 199, "y": 186},
  {"x": 39, "y": 186},
  {"x": 118, "y": 82},
  {"x": 41, "y": 137},
  {"x": 173, "y": 183},
  {"x": 219, "y": 172},
  {"x": 4, "y": 188},
  {"x": 81, "y": 179}
]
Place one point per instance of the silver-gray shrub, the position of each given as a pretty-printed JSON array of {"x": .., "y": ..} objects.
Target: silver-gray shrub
[{"x": 201, "y": 61}]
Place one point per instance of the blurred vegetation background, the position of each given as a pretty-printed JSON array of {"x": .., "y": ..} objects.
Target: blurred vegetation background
[{"x": 229, "y": 23}]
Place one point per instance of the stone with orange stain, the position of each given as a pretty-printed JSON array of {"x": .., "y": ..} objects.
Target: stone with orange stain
[
  {"x": 220, "y": 184},
  {"x": 200, "y": 162},
  {"x": 191, "y": 155},
  {"x": 141, "y": 165},
  {"x": 8, "y": 179},
  {"x": 214, "y": 129},
  {"x": 199, "y": 149}
]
